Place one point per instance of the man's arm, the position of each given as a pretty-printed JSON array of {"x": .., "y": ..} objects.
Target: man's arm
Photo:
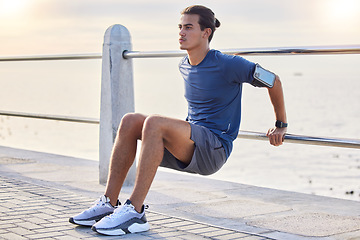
[{"x": 276, "y": 135}]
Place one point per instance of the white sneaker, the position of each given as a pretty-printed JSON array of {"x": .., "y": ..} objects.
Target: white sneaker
[
  {"x": 124, "y": 220},
  {"x": 100, "y": 209}
]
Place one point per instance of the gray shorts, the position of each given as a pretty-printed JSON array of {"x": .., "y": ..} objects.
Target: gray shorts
[{"x": 209, "y": 155}]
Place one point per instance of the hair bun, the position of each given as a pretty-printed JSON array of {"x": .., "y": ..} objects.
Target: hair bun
[{"x": 217, "y": 23}]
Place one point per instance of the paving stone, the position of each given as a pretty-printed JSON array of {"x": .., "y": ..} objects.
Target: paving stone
[
  {"x": 6, "y": 225},
  {"x": 44, "y": 235},
  {"x": 28, "y": 225},
  {"x": 177, "y": 224},
  {"x": 57, "y": 224},
  {"x": 219, "y": 232},
  {"x": 166, "y": 235},
  {"x": 17, "y": 202},
  {"x": 9, "y": 205},
  {"x": 57, "y": 207},
  {"x": 80, "y": 232},
  {"x": 43, "y": 216},
  {"x": 192, "y": 237},
  {"x": 12, "y": 236},
  {"x": 66, "y": 238},
  {"x": 137, "y": 236},
  {"x": 36, "y": 220},
  {"x": 54, "y": 229},
  {"x": 202, "y": 230},
  {"x": 14, "y": 220},
  {"x": 64, "y": 203},
  {"x": 190, "y": 226},
  {"x": 48, "y": 211},
  {"x": 236, "y": 235},
  {"x": 20, "y": 213},
  {"x": 3, "y": 209},
  {"x": 21, "y": 231},
  {"x": 253, "y": 238},
  {"x": 166, "y": 221},
  {"x": 155, "y": 217}
]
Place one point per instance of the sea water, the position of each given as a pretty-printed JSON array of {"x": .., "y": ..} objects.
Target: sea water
[{"x": 322, "y": 99}]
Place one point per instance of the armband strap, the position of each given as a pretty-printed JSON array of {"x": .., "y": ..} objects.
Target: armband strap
[{"x": 263, "y": 77}]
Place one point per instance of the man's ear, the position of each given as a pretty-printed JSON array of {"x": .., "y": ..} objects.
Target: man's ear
[{"x": 207, "y": 33}]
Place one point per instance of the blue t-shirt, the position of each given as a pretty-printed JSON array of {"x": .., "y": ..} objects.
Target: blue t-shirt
[{"x": 213, "y": 92}]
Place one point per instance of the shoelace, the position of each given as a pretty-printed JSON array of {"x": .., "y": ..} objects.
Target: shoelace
[
  {"x": 98, "y": 203},
  {"x": 120, "y": 211}
]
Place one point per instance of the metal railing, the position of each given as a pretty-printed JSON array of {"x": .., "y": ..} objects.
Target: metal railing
[
  {"x": 50, "y": 117},
  {"x": 117, "y": 92},
  {"x": 292, "y": 138},
  {"x": 82, "y": 56},
  {"x": 309, "y": 140},
  {"x": 319, "y": 50},
  {"x": 51, "y": 57},
  {"x": 289, "y": 138},
  {"x": 322, "y": 50}
]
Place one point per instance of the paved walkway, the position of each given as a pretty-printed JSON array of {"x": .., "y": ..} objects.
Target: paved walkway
[
  {"x": 40, "y": 191},
  {"x": 32, "y": 211}
]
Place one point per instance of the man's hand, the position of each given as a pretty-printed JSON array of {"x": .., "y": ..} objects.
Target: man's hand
[{"x": 276, "y": 135}]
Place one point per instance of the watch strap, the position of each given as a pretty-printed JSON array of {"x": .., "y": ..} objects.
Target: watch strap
[{"x": 280, "y": 124}]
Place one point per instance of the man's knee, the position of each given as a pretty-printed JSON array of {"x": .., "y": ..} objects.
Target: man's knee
[
  {"x": 153, "y": 123},
  {"x": 132, "y": 122}
]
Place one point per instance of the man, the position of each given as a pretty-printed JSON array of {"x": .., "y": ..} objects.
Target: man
[{"x": 201, "y": 144}]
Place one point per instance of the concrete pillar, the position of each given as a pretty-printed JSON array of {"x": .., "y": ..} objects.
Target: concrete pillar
[{"x": 117, "y": 95}]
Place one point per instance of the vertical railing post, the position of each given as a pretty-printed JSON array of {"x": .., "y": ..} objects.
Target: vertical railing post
[{"x": 117, "y": 95}]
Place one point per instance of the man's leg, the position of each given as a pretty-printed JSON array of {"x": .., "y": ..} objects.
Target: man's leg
[
  {"x": 123, "y": 153},
  {"x": 159, "y": 133},
  {"x": 122, "y": 158}
]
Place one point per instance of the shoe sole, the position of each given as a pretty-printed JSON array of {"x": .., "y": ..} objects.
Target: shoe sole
[
  {"x": 134, "y": 228},
  {"x": 82, "y": 223},
  {"x": 88, "y": 223}
]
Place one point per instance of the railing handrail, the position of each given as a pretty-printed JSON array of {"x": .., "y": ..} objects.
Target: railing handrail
[
  {"x": 320, "y": 50},
  {"x": 291, "y": 138},
  {"x": 81, "y": 56},
  {"x": 50, "y": 117},
  {"x": 309, "y": 140},
  {"x": 311, "y": 50}
]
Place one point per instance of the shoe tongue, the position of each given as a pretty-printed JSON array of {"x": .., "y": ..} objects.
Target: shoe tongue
[
  {"x": 125, "y": 207},
  {"x": 104, "y": 199}
]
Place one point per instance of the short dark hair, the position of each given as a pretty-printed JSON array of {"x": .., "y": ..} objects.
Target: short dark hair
[{"x": 207, "y": 18}]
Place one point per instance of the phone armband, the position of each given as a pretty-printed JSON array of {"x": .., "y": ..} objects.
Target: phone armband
[{"x": 263, "y": 77}]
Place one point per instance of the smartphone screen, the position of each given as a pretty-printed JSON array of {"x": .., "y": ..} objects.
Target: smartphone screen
[{"x": 264, "y": 76}]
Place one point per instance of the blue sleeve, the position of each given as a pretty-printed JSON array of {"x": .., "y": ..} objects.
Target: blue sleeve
[{"x": 239, "y": 69}]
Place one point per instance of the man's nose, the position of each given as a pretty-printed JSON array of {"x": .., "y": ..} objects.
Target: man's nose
[{"x": 181, "y": 32}]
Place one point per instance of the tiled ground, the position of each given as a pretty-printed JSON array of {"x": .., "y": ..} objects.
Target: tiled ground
[{"x": 32, "y": 211}]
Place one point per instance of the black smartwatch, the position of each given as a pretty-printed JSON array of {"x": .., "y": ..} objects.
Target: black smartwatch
[{"x": 280, "y": 124}]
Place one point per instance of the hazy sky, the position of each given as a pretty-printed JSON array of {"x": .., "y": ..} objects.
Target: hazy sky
[{"x": 30, "y": 27}]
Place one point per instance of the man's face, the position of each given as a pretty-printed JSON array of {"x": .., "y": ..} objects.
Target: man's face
[{"x": 190, "y": 33}]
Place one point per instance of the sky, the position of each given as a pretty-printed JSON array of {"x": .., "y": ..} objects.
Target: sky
[{"x": 30, "y": 27}]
